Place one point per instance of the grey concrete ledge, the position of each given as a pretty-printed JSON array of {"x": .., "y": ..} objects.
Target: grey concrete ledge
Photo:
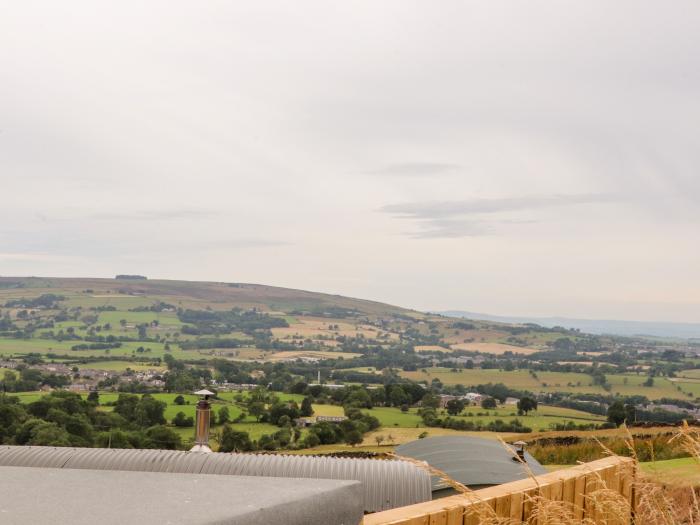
[{"x": 42, "y": 496}]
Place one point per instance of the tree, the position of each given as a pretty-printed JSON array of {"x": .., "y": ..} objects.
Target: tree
[
  {"x": 160, "y": 436},
  {"x": 224, "y": 415},
  {"x": 179, "y": 400},
  {"x": 180, "y": 420},
  {"x": 149, "y": 411},
  {"x": 126, "y": 406},
  {"x": 429, "y": 416},
  {"x": 267, "y": 442},
  {"x": 94, "y": 397},
  {"x": 327, "y": 433},
  {"x": 256, "y": 409},
  {"x": 488, "y": 403},
  {"x": 38, "y": 432},
  {"x": 379, "y": 439},
  {"x": 114, "y": 439},
  {"x": 353, "y": 437},
  {"x": 526, "y": 404},
  {"x": 11, "y": 416},
  {"x": 398, "y": 396},
  {"x": 306, "y": 408},
  {"x": 649, "y": 382},
  {"x": 430, "y": 400},
  {"x": 454, "y": 406},
  {"x": 311, "y": 440},
  {"x": 283, "y": 436},
  {"x": 617, "y": 413},
  {"x": 231, "y": 440},
  {"x": 359, "y": 398},
  {"x": 279, "y": 409},
  {"x": 299, "y": 388}
]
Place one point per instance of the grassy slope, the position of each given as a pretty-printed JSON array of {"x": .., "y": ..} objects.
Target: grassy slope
[{"x": 187, "y": 294}]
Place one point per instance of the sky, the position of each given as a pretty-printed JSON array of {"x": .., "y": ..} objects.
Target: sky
[{"x": 519, "y": 158}]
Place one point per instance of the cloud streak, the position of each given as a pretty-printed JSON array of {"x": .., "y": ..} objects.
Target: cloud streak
[
  {"x": 475, "y": 217},
  {"x": 417, "y": 169},
  {"x": 155, "y": 215}
]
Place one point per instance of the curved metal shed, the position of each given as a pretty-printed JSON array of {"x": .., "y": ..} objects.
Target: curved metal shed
[
  {"x": 386, "y": 484},
  {"x": 475, "y": 462}
]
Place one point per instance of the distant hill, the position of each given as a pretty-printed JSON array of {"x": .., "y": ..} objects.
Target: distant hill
[
  {"x": 197, "y": 294},
  {"x": 227, "y": 295},
  {"x": 595, "y": 326}
]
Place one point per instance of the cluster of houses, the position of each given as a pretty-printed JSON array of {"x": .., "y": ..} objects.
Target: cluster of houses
[
  {"x": 695, "y": 412},
  {"x": 471, "y": 398},
  {"x": 88, "y": 378},
  {"x": 49, "y": 368},
  {"x": 303, "y": 422},
  {"x": 225, "y": 386}
]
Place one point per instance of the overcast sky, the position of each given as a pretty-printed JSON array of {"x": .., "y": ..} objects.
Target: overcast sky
[{"x": 517, "y": 158}]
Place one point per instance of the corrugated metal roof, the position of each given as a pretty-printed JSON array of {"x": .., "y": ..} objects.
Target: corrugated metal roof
[
  {"x": 470, "y": 460},
  {"x": 386, "y": 484}
]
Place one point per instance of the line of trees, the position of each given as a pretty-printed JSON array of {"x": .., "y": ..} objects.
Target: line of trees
[{"x": 66, "y": 419}]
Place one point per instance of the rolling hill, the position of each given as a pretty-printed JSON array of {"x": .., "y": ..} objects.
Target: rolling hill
[{"x": 189, "y": 294}]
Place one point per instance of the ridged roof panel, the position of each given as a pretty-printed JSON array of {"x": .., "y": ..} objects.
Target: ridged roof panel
[{"x": 386, "y": 484}]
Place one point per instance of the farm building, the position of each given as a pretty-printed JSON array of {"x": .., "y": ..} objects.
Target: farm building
[{"x": 474, "y": 462}]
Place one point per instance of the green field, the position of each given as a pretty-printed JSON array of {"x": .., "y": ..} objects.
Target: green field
[
  {"x": 163, "y": 318},
  {"x": 682, "y": 470},
  {"x": 623, "y": 384},
  {"x": 120, "y": 302},
  {"x": 691, "y": 374},
  {"x": 17, "y": 347},
  {"x": 121, "y": 366},
  {"x": 328, "y": 410},
  {"x": 540, "y": 419},
  {"x": 393, "y": 417}
]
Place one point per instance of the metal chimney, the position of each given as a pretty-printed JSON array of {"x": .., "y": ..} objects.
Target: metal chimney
[
  {"x": 520, "y": 451},
  {"x": 201, "y": 426}
]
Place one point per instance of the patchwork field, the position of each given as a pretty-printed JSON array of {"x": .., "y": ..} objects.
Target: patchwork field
[
  {"x": 431, "y": 348},
  {"x": 121, "y": 366},
  {"x": 624, "y": 384},
  {"x": 19, "y": 347},
  {"x": 263, "y": 356},
  {"x": 494, "y": 348},
  {"x": 326, "y": 330},
  {"x": 539, "y": 420}
]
